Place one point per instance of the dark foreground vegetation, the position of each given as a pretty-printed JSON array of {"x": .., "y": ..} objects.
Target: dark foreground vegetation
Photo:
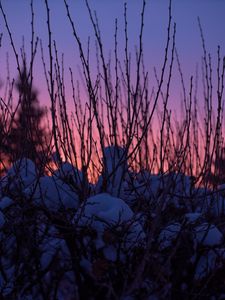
[{"x": 117, "y": 199}]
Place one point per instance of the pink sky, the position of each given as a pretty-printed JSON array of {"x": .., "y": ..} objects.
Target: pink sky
[{"x": 185, "y": 13}]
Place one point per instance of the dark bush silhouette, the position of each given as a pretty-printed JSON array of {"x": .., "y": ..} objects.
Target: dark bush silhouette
[{"x": 150, "y": 226}]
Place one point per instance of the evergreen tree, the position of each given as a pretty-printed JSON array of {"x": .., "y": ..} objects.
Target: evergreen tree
[
  {"x": 5, "y": 118},
  {"x": 28, "y": 137}
]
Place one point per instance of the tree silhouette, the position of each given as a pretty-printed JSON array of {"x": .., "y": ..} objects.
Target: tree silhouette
[{"x": 28, "y": 137}]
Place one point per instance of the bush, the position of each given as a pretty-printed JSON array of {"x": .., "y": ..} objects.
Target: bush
[{"x": 109, "y": 207}]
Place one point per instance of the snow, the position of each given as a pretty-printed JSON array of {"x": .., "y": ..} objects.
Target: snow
[
  {"x": 53, "y": 193},
  {"x": 115, "y": 170},
  {"x": 24, "y": 168},
  {"x": 175, "y": 183},
  {"x": 173, "y": 187},
  {"x": 102, "y": 212},
  {"x": 105, "y": 225},
  {"x": 5, "y": 202},
  {"x": 180, "y": 183},
  {"x": 108, "y": 208},
  {"x": 148, "y": 185},
  {"x": 50, "y": 248},
  {"x": 114, "y": 156},
  {"x": 69, "y": 172},
  {"x": 206, "y": 264},
  {"x": 208, "y": 235},
  {"x": 20, "y": 175},
  {"x": 217, "y": 205},
  {"x": 192, "y": 217},
  {"x": 221, "y": 189},
  {"x": 208, "y": 201},
  {"x": 168, "y": 235}
]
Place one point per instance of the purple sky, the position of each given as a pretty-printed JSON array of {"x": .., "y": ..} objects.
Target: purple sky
[{"x": 185, "y": 13}]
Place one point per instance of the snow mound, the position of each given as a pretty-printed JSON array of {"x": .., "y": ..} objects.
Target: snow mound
[
  {"x": 68, "y": 172},
  {"x": 172, "y": 187},
  {"x": 217, "y": 204},
  {"x": 206, "y": 264},
  {"x": 104, "y": 212},
  {"x": 168, "y": 235},
  {"x": 114, "y": 171},
  {"x": 50, "y": 248},
  {"x": 53, "y": 193},
  {"x": 5, "y": 202},
  {"x": 109, "y": 208},
  {"x": 20, "y": 175},
  {"x": 208, "y": 235},
  {"x": 192, "y": 217},
  {"x": 114, "y": 156},
  {"x": 177, "y": 188},
  {"x": 180, "y": 183},
  {"x": 148, "y": 185},
  {"x": 209, "y": 201}
]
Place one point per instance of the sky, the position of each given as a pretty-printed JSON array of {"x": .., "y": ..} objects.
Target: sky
[{"x": 184, "y": 12}]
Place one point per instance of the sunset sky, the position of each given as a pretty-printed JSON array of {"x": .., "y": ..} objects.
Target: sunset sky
[{"x": 185, "y": 13}]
